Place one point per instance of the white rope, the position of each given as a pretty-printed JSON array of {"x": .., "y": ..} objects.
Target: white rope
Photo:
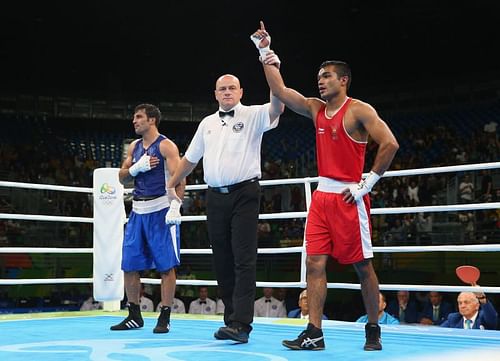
[
  {"x": 45, "y": 187},
  {"x": 36, "y": 217},
  {"x": 450, "y": 248},
  {"x": 43, "y": 281},
  {"x": 447, "y": 208},
  {"x": 433, "y": 170},
  {"x": 182, "y": 282},
  {"x": 269, "y": 250},
  {"x": 346, "y": 286},
  {"x": 398, "y": 249},
  {"x": 393, "y": 173},
  {"x": 283, "y": 215},
  {"x": 281, "y": 250},
  {"x": 44, "y": 250},
  {"x": 402, "y": 287}
]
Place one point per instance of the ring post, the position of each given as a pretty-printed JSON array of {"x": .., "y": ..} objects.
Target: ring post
[{"x": 109, "y": 218}]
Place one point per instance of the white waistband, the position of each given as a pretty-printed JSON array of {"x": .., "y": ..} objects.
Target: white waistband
[
  {"x": 144, "y": 207},
  {"x": 329, "y": 185}
]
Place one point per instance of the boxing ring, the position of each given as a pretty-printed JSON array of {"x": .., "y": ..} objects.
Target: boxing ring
[{"x": 86, "y": 335}]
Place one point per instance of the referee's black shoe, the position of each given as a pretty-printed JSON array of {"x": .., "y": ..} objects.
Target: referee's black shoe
[
  {"x": 237, "y": 334},
  {"x": 133, "y": 320}
]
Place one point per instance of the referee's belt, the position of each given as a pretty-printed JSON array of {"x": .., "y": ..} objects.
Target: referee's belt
[
  {"x": 233, "y": 187},
  {"x": 145, "y": 198}
]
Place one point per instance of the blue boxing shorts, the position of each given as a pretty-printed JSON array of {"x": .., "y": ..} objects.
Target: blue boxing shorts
[{"x": 149, "y": 243}]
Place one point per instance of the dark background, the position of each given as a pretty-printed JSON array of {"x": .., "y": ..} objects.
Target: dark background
[{"x": 176, "y": 49}]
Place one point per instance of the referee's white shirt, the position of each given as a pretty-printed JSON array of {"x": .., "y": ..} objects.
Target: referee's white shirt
[{"x": 230, "y": 147}]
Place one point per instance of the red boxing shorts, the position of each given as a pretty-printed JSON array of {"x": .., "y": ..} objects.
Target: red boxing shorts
[{"x": 339, "y": 229}]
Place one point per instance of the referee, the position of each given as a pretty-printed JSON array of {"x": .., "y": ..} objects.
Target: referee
[{"x": 229, "y": 141}]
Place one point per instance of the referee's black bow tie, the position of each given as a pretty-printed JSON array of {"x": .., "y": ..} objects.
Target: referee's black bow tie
[
  {"x": 203, "y": 302},
  {"x": 230, "y": 113},
  {"x": 268, "y": 300}
]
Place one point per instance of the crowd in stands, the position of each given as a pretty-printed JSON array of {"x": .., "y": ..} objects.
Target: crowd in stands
[{"x": 44, "y": 156}]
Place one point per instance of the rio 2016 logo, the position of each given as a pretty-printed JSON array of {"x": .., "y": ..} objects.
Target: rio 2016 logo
[
  {"x": 108, "y": 194},
  {"x": 106, "y": 188}
]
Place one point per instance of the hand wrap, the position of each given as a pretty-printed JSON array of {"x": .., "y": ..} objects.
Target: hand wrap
[
  {"x": 365, "y": 186},
  {"x": 262, "y": 51},
  {"x": 173, "y": 215},
  {"x": 142, "y": 165}
]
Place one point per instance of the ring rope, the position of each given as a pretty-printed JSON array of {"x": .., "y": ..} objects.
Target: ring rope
[
  {"x": 305, "y": 181},
  {"x": 391, "y": 173},
  {"x": 283, "y": 215},
  {"x": 280, "y": 250}
]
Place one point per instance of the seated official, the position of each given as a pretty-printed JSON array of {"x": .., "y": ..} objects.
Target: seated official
[
  {"x": 303, "y": 310},
  {"x": 436, "y": 310},
  {"x": 474, "y": 311},
  {"x": 383, "y": 317},
  {"x": 91, "y": 304},
  {"x": 219, "y": 307},
  {"x": 146, "y": 304},
  {"x": 177, "y": 306},
  {"x": 403, "y": 308},
  {"x": 202, "y": 305},
  {"x": 268, "y": 306}
]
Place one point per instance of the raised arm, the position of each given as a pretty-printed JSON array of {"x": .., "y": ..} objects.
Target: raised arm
[
  {"x": 271, "y": 63},
  {"x": 276, "y": 109}
]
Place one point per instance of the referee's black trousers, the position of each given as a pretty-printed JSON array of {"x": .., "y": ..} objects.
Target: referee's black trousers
[{"x": 232, "y": 229}]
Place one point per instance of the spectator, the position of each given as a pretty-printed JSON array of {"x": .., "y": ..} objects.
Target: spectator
[
  {"x": 436, "y": 310},
  {"x": 303, "y": 310},
  {"x": 203, "y": 305},
  {"x": 403, "y": 308},
  {"x": 413, "y": 193},
  {"x": 490, "y": 127},
  {"x": 268, "y": 306},
  {"x": 466, "y": 190},
  {"x": 383, "y": 317},
  {"x": 486, "y": 186},
  {"x": 424, "y": 226},
  {"x": 467, "y": 220},
  {"x": 264, "y": 231},
  {"x": 288, "y": 300},
  {"x": 474, "y": 311}
]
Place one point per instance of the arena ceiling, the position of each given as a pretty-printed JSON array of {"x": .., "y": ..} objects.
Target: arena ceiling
[{"x": 177, "y": 49}]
